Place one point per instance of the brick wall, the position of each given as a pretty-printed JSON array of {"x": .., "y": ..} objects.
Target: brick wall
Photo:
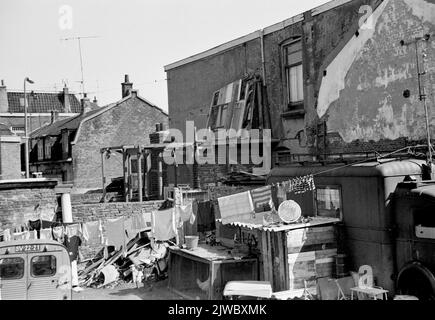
[
  {"x": 104, "y": 211},
  {"x": 94, "y": 197},
  {"x": 24, "y": 201}
]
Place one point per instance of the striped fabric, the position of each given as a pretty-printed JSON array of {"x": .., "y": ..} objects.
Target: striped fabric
[{"x": 261, "y": 199}]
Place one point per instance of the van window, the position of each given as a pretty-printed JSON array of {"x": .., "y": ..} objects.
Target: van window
[
  {"x": 328, "y": 200},
  {"x": 43, "y": 266},
  {"x": 11, "y": 268}
]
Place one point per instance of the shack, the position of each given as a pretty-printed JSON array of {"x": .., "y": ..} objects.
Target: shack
[{"x": 361, "y": 197}]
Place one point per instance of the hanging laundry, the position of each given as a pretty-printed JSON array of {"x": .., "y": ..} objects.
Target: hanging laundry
[
  {"x": 92, "y": 232},
  {"x": 74, "y": 229},
  {"x": 129, "y": 232},
  {"x": 261, "y": 198},
  {"x": 59, "y": 234},
  {"x": 194, "y": 211},
  {"x": 20, "y": 235},
  {"x": 215, "y": 208},
  {"x": 140, "y": 221},
  {"x": 185, "y": 211},
  {"x": 163, "y": 225},
  {"x": 281, "y": 193},
  {"x": 7, "y": 235},
  {"x": 205, "y": 220},
  {"x": 45, "y": 234},
  {"x": 236, "y": 208},
  {"x": 115, "y": 233},
  {"x": 147, "y": 218},
  {"x": 33, "y": 234},
  {"x": 72, "y": 244}
]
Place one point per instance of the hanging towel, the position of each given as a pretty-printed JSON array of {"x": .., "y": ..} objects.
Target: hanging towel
[
  {"x": 236, "y": 208},
  {"x": 7, "y": 235},
  {"x": 185, "y": 211},
  {"x": 115, "y": 233},
  {"x": 45, "y": 234},
  {"x": 206, "y": 220},
  {"x": 33, "y": 234},
  {"x": 92, "y": 232},
  {"x": 74, "y": 229},
  {"x": 163, "y": 225},
  {"x": 20, "y": 235},
  {"x": 261, "y": 199},
  {"x": 129, "y": 231}
]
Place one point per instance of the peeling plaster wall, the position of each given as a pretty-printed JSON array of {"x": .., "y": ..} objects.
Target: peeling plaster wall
[{"x": 363, "y": 97}]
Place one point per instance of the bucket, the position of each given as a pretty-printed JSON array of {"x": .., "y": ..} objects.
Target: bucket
[{"x": 191, "y": 242}]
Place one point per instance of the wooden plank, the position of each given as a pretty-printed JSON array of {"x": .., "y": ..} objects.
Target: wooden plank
[
  {"x": 304, "y": 256},
  {"x": 282, "y": 261},
  {"x": 325, "y": 254},
  {"x": 265, "y": 263}
]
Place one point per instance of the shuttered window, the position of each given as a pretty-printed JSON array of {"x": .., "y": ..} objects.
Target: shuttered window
[{"x": 293, "y": 70}]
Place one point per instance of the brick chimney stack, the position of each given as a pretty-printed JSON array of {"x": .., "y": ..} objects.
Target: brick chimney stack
[
  {"x": 127, "y": 86},
  {"x": 4, "y": 104},
  {"x": 85, "y": 104},
  {"x": 66, "y": 102}
]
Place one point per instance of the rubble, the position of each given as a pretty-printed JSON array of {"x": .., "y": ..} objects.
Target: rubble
[{"x": 142, "y": 260}]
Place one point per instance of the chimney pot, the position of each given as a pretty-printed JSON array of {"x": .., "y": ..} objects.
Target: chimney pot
[
  {"x": 66, "y": 102},
  {"x": 4, "y": 103},
  {"x": 126, "y": 86}
]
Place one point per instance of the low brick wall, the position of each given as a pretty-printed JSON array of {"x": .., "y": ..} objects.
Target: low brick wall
[
  {"x": 104, "y": 211},
  {"x": 24, "y": 200},
  {"x": 94, "y": 197}
]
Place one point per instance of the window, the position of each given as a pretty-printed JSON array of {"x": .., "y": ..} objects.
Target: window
[
  {"x": 40, "y": 148},
  {"x": 43, "y": 266},
  {"x": 47, "y": 147},
  {"x": 424, "y": 221},
  {"x": 11, "y": 268},
  {"x": 328, "y": 201},
  {"x": 293, "y": 71}
]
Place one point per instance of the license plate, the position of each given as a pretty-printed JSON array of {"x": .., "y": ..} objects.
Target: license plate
[{"x": 28, "y": 248}]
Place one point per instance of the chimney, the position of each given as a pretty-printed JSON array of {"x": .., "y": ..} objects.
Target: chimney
[
  {"x": 54, "y": 115},
  {"x": 66, "y": 102},
  {"x": 127, "y": 86},
  {"x": 95, "y": 100},
  {"x": 4, "y": 104},
  {"x": 85, "y": 103}
]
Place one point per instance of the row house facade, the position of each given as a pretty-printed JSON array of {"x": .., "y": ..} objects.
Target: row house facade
[{"x": 333, "y": 77}]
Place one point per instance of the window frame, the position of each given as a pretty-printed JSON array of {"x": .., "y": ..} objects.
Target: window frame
[
  {"x": 291, "y": 105},
  {"x": 340, "y": 193},
  {"x": 46, "y": 275},
  {"x": 23, "y": 269}
]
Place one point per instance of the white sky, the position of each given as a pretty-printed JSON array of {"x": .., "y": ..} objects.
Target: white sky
[{"x": 136, "y": 37}]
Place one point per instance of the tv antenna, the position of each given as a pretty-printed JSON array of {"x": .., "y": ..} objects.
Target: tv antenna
[{"x": 81, "y": 57}]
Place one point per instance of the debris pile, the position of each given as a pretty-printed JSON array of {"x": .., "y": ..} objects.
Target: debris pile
[{"x": 142, "y": 260}]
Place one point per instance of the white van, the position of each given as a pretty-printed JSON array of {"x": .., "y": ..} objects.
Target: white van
[{"x": 34, "y": 270}]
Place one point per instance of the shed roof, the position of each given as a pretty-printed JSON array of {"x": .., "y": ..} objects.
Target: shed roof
[{"x": 385, "y": 168}]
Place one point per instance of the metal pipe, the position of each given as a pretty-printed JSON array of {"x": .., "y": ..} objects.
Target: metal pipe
[
  {"x": 26, "y": 136},
  {"x": 263, "y": 59}
]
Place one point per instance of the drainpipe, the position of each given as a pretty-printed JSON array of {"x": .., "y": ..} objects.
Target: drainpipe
[{"x": 263, "y": 60}]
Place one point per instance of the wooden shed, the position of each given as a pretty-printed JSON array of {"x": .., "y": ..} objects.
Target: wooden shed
[{"x": 289, "y": 254}]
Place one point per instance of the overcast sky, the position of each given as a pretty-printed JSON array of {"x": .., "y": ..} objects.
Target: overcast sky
[{"x": 135, "y": 37}]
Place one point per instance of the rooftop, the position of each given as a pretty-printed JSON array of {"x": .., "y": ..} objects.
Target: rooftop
[{"x": 42, "y": 102}]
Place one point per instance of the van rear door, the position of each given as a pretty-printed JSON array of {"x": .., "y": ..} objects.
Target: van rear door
[
  {"x": 13, "y": 277},
  {"x": 44, "y": 273}
]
